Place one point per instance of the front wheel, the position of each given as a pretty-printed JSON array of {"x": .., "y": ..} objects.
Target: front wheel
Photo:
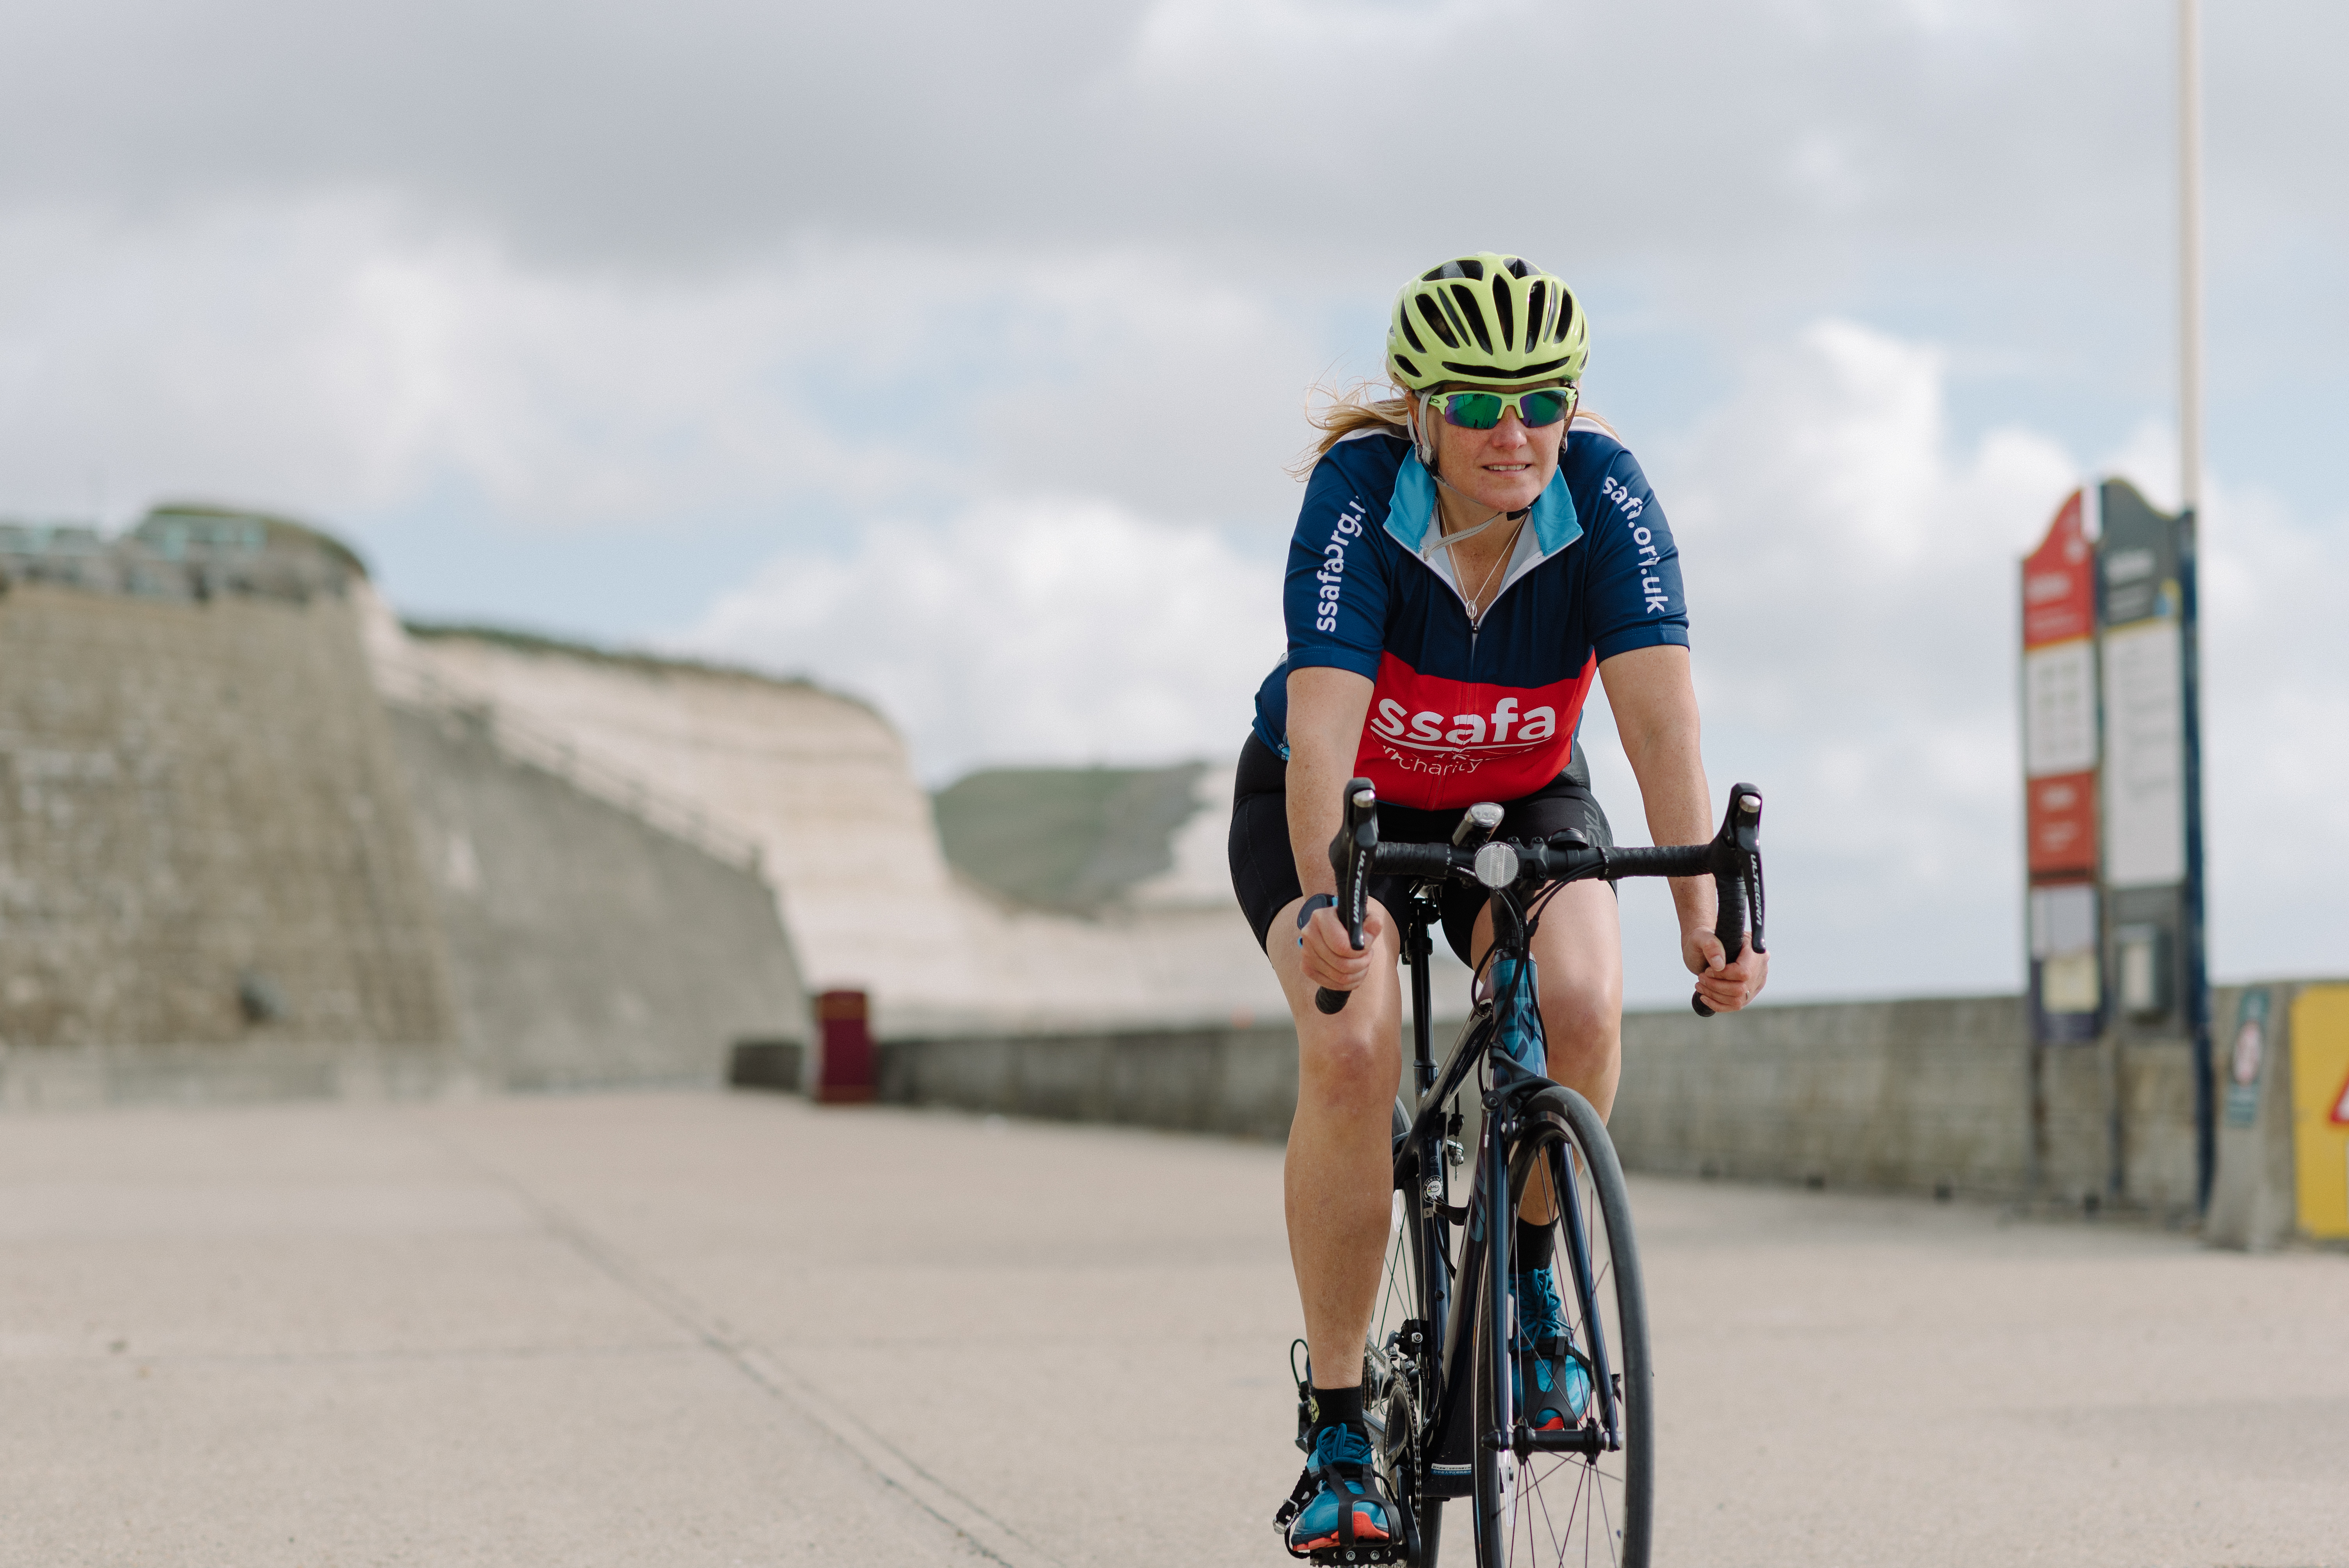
[
  {"x": 1539, "y": 1507},
  {"x": 1406, "y": 1305}
]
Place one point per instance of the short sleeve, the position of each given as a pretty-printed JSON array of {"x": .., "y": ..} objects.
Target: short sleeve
[
  {"x": 1633, "y": 594},
  {"x": 1335, "y": 599}
]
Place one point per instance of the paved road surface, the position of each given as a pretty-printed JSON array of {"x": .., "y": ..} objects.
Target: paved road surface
[{"x": 656, "y": 1330}]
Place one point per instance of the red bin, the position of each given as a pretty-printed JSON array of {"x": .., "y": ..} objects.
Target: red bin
[{"x": 846, "y": 1074}]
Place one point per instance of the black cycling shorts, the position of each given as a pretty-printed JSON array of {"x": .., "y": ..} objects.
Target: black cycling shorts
[{"x": 1264, "y": 870}]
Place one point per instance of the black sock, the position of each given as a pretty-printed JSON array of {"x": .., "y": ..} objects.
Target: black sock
[
  {"x": 1332, "y": 1406},
  {"x": 1532, "y": 1245}
]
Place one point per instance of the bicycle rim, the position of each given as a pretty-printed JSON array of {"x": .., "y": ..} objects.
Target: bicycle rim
[{"x": 1548, "y": 1509}]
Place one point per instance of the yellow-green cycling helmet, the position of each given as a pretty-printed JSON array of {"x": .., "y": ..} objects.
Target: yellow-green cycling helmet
[{"x": 1486, "y": 319}]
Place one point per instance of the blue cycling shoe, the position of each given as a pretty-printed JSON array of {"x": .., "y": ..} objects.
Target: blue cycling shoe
[
  {"x": 1340, "y": 1465},
  {"x": 1551, "y": 1380}
]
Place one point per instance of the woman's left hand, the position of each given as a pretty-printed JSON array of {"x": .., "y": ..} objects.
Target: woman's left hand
[{"x": 1725, "y": 987}]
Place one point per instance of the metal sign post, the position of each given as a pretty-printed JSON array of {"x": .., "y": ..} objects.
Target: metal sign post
[
  {"x": 2189, "y": 459},
  {"x": 2111, "y": 819}
]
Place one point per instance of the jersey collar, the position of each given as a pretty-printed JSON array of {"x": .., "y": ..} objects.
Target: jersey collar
[{"x": 1410, "y": 511}]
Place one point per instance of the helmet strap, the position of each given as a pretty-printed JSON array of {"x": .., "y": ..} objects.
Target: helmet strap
[{"x": 1422, "y": 436}]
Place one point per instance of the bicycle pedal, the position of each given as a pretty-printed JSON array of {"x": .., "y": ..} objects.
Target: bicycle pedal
[{"x": 1385, "y": 1552}]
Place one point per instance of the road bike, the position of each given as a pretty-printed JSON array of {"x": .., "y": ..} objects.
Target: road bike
[{"x": 1479, "y": 1143}]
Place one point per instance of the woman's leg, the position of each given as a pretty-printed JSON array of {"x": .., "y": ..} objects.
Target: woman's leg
[{"x": 1339, "y": 1181}]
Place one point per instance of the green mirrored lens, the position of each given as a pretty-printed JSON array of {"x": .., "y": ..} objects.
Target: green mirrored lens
[
  {"x": 1543, "y": 408},
  {"x": 1472, "y": 410}
]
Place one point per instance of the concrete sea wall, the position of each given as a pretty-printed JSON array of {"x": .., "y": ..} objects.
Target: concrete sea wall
[
  {"x": 228, "y": 872},
  {"x": 204, "y": 840},
  {"x": 585, "y": 946},
  {"x": 1926, "y": 1096}
]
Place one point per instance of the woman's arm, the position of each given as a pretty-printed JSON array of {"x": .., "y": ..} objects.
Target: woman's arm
[
  {"x": 1326, "y": 709},
  {"x": 1655, "y": 715}
]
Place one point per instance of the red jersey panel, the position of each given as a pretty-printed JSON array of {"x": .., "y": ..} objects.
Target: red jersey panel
[{"x": 1438, "y": 744}]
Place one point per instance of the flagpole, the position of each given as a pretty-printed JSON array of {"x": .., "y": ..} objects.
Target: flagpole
[
  {"x": 2189, "y": 253},
  {"x": 2189, "y": 462}
]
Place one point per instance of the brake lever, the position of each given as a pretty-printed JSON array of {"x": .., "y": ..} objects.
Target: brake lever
[
  {"x": 1350, "y": 857},
  {"x": 1736, "y": 864}
]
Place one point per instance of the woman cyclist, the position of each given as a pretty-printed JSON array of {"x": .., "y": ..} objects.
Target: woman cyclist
[{"x": 1469, "y": 557}]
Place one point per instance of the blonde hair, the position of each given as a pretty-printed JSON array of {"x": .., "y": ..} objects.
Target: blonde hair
[
  {"x": 1364, "y": 406},
  {"x": 1374, "y": 406}
]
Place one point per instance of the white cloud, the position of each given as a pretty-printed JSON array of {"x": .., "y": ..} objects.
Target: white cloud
[
  {"x": 1048, "y": 631},
  {"x": 1850, "y": 573},
  {"x": 2276, "y": 729},
  {"x": 344, "y": 359},
  {"x": 335, "y": 357}
]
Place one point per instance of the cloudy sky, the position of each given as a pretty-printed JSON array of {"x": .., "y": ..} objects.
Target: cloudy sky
[{"x": 952, "y": 354}]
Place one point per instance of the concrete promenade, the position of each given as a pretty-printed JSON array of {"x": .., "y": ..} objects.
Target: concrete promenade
[{"x": 700, "y": 1329}]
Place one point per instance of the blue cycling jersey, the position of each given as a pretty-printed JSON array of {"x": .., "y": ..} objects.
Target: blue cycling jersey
[{"x": 1460, "y": 712}]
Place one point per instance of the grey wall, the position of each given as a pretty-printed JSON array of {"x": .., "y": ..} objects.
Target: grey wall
[
  {"x": 227, "y": 873},
  {"x": 1239, "y": 1081},
  {"x": 584, "y": 946},
  {"x": 1918, "y": 1096},
  {"x": 194, "y": 794}
]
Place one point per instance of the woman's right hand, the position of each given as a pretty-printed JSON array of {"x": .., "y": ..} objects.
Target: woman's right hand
[{"x": 1330, "y": 959}]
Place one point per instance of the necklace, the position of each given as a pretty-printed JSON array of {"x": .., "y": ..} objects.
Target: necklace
[{"x": 1451, "y": 540}]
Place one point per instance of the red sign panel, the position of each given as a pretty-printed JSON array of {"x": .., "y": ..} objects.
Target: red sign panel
[
  {"x": 2061, "y": 819},
  {"x": 2059, "y": 582}
]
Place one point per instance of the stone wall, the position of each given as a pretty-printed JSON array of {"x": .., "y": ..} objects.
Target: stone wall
[
  {"x": 1231, "y": 1080},
  {"x": 1923, "y": 1096},
  {"x": 203, "y": 837},
  {"x": 585, "y": 946},
  {"x": 227, "y": 873}
]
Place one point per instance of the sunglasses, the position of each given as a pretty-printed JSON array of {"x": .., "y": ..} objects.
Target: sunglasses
[{"x": 1483, "y": 410}]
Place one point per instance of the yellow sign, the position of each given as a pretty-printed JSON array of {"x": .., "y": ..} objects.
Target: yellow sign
[{"x": 2320, "y": 1108}]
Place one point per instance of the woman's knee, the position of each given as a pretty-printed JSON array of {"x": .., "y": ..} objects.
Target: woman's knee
[
  {"x": 1348, "y": 1066},
  {"x": 1583, "y": 1020}
]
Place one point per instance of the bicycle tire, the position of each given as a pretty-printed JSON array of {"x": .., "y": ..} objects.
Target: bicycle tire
[
  {"x": 1552, "y": 1508},
  {"x": 1401, "y": 1418}
]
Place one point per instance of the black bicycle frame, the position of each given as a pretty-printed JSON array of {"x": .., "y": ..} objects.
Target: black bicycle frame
[
  {"x": 1446, "y": 1375},
  {"x": 1439, "y": 1355}
]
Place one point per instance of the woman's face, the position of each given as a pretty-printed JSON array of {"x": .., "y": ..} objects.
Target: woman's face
[{"x": 1504, "y": 468}]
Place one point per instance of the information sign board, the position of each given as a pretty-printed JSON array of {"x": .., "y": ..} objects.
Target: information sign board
[
  {"x": 2060, "y": 778},
  {"x": 2059, "y": 584},
  {"x": 2145, "y": 695},
  {"x": 2062, "y": 823},
  {"x": 2145, "y": 776},
  {"x": 2320, "y": 1127}
]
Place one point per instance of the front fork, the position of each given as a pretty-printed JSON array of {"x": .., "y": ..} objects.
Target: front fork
[{"x": 1499, "y": 1120}]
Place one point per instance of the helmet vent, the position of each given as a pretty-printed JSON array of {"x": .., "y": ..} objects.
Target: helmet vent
[
  {"x": 1466, "y": 299},
  {"x": 1518, "y": 266},
  {"x": 1432, "y": 314},
  {"x": 1502, "y": 312}
]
